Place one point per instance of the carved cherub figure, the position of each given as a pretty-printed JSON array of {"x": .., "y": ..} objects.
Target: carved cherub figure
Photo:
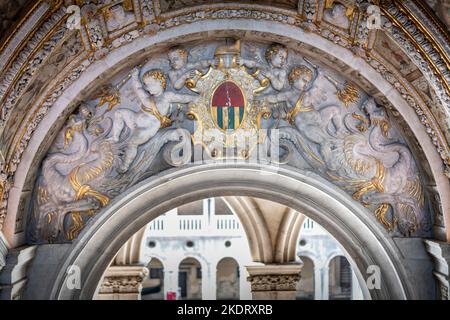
[
  {"x": 319, "y": 126},
  {"x": 303, "y": 101},
  {"x": 182, "y": 69},
  {"x": 153, "y": 115},
  {"x": 276, "y": 56}
]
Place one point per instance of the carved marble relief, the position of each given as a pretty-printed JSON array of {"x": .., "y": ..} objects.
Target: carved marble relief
[
  {"x": 336, "y": 14},
  {"x": 70, "y": 50},
  {"x": 129, "y": 129}
]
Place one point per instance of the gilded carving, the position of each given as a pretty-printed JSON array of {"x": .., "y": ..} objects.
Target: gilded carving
[
  {"x": 354, "y": 145},
  {"x": 310, "y": 9},
  {"x": 335, "y": 127},
  {"x": 103, "y": 150}
]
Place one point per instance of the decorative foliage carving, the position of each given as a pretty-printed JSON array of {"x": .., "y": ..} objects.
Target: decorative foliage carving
[{"x": 274, "y": 282}]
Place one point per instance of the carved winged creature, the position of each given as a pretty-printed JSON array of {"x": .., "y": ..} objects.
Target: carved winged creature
[
  {"x": 354, "y": 146},
  {"x": 95, "y": 158}
]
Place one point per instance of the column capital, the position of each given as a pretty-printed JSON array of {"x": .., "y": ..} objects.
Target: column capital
[
  {"x": 274, "y": 277},
  {"x": 123, "y": 280},
  {"x": 274, "y": 281}
]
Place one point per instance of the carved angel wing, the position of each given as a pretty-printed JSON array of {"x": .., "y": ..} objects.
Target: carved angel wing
[{"x": 255, "y": 54}]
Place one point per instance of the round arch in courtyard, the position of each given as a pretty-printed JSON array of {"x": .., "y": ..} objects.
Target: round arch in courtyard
[
  {"x": 364, "y": 239},
  {"x": 347, "y": 221}
]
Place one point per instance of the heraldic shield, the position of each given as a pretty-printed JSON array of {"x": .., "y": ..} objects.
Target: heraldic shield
[{"x": 228, "y": 106}]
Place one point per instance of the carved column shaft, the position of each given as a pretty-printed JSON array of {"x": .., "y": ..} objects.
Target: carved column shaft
[
  {"x": 440, "y": 253},
  {"x": 3, "y": 251},
  {"x": 122, "y": 283},
  {"x": 275, "y": 281}
]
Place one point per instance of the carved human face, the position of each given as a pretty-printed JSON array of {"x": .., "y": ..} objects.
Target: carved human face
[
  {"x": 278, "y": 59},
  {"x": 153, "y": 86},
  {"x": 301, "y": 82},
  {"x": 176, "y": 59}
]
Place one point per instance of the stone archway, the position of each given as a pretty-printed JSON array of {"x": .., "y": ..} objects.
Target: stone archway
[
  {"x": 26, "y": 158},
  {"x": 26, "y": 170},
  {"x": 306, "y": 192}
]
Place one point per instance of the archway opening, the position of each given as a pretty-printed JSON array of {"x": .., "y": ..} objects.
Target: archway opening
[
  {"x": 207, "y": 230},
  {"x": 340, "y": 279},
  {"x": 206, "y": 249},
  {"x": 348, "y": 225},
  {"x": 227, "y": 279},
  {"x": 305, "y": 288},
  {"x": 153, "y": 285},
  {"x": 190, "y": 279},
  {"x": 348, "y": 222}
]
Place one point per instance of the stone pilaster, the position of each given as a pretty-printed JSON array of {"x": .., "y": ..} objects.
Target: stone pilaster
[
  {"x": 274, "y": 281},
  {"x": 13, "y": 276},
  {"x": 440, "y": 253},
  {"x": 122, "y": 283}
]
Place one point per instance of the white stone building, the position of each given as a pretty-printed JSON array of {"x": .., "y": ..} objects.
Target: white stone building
[{"x": 208, "y": 234}]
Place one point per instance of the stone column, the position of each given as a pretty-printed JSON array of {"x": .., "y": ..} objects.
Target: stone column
[
  {"x": 440, "y": 253},
  {"x": 209, "y": 279},
  {"x": 274, "y": 281},
  {"x": 317, "y": 284},
  {"x": 122, "y": 283},
  {"x": 245, "y": 292},
  {"x": 325, "y": 283}
]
